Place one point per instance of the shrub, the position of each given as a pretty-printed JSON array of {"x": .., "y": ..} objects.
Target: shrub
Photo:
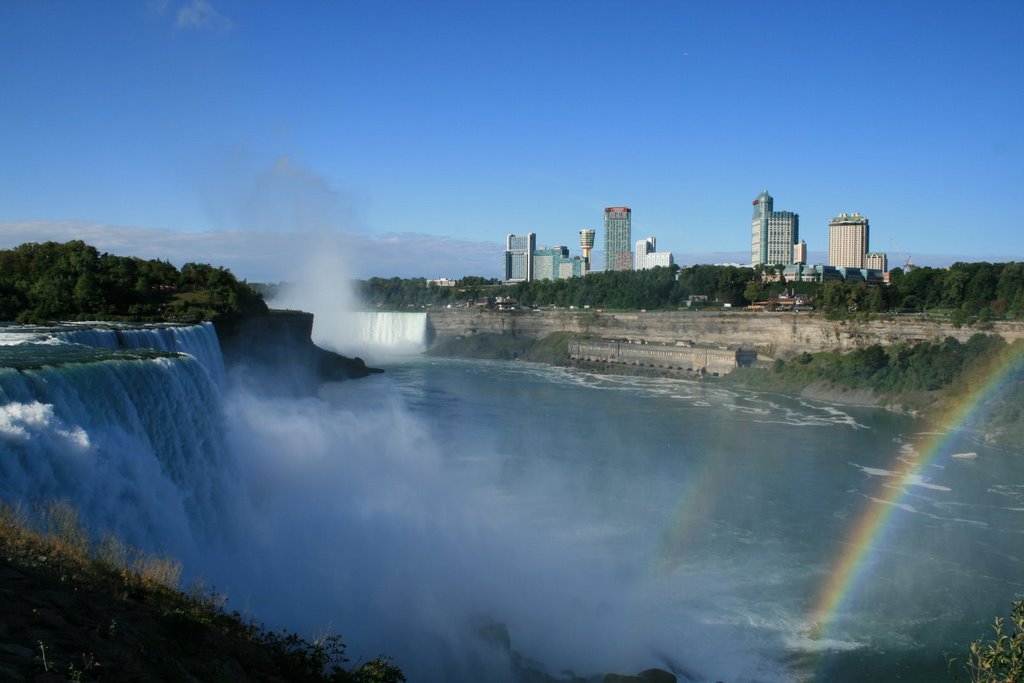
[{"x": 1000, "y": 660}]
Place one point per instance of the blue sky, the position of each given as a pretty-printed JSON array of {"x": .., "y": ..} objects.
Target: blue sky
[{"x": 415, "y": 135}]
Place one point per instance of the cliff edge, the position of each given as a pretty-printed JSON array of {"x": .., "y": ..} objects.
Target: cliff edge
[{"x": 277, "y": 351}]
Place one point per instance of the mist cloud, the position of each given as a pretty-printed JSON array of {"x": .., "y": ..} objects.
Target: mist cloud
[{"x": 289, "y": 197}]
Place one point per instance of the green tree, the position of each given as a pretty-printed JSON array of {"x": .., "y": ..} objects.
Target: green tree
[
  {"x": 834, "y": 297},
  {"x": 754, "y": 291}
]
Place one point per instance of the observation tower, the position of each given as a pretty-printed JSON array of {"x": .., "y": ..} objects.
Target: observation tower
[{"x": 586, "y": 244}]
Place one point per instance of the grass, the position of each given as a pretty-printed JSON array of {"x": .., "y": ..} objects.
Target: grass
[{"x": 107, "y": 611}]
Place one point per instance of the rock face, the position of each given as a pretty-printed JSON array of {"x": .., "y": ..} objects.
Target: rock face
[
  {"x": 777, "y": 335},
  {"x": 276, "y": 351}
]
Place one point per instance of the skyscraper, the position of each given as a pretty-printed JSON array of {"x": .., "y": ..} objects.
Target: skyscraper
[
  {"x": 586, "y": 245},
  {"x": 618, "y": 232},
  {"x": 519, "y": 257},
  {"x": 847, "y": 240},
  {"x": 773, "y": 233}
]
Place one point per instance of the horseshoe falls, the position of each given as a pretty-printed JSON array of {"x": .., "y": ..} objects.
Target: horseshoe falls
[
  {"x": 372, "y": 334},
  {"x": 610, "y": 524}
]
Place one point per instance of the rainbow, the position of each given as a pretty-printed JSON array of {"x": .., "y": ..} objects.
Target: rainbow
[{"x": 863, "y": 538}]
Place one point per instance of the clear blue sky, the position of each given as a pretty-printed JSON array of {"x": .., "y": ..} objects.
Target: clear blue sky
[{"x": 454, "y": 123}]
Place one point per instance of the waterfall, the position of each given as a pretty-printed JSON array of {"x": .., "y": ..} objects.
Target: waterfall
[
  {"x": 377, "y": 333},
  {"x": 135, "y": 444},
  {"x": 199, "y": 341}
]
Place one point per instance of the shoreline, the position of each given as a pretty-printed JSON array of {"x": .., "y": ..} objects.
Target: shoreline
[{"x": 553, "y": 351}]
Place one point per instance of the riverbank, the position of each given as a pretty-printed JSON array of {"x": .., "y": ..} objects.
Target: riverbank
[{"x": 927, "y": 379}]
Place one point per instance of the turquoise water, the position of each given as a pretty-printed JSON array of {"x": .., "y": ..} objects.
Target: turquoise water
[
  {"x": 717, "y": 516},
  {"x": 612, "y": 524}
]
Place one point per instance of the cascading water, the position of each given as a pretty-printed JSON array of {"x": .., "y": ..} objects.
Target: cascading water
[
  {"x": 199, "y": 341},
  {"x": 134, "y": 441},
  {"x": 373, "y": 333},
  {"x": 135, "y": 444}
]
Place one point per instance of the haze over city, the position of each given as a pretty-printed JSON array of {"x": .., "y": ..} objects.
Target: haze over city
[{"x": 413, "y": 137}]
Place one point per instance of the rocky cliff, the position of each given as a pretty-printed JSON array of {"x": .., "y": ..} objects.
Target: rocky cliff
[
  {"x": 277, "y": 351},
  {"x": 775, "y": 335}
]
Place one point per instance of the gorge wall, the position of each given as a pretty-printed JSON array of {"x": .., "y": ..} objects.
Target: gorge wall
[
  {"x": 278, "y": 349},
  {"x": 773, "y": 335}
]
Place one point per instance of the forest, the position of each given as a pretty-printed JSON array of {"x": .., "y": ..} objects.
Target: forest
[
  {"x": 42, "y": 282},
  {"x": 965, "y": 292}
]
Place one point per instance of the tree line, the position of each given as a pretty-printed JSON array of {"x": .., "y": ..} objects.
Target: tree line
[
  {"x": 964, "y": 291},
  {"x": 49, "y": 281},
  {"x": 41, "y": 282}
]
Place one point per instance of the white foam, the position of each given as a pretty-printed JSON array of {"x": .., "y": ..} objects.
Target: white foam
[
  {"x": 905, "y": 479},
  {"x": 26, "y": 421}
]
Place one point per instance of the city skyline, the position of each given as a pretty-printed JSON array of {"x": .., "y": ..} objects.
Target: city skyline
[{"x": 222, "y": 131}]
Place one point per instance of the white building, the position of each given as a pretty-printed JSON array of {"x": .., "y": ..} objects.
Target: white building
[
  {"x": 877, "y": 260},
  {"x": 647, "y": 256},
  {"x": 847, "y": 240}
]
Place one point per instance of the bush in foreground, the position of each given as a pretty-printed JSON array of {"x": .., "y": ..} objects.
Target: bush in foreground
[
  {"x": 1000, "y": 660},
  {"x": 110, "y": 612}
]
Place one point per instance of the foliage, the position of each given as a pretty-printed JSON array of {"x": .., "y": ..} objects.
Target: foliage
[
  {"x": 117, "y": 614},
  {"x": 1000, "y": 660},
  {"x": 653, "y": 289},
  {"x": 52, "y": 281},
  {"x": 901, "y": 368},
  {"x": 967, "y": 292},
  {"x": 912, "y": 374}
]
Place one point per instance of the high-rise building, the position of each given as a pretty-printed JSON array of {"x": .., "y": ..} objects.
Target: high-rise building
[
  {"x": 877, "y": 260},
  {"x": 646, "y": 255},
  {"x": 519, "y": 257},
  {"x": 847, "y": 240},
  {"x": 773, "y": 233},
  {"x": 554, "y": 263},
  {"x": 545, "y": 262},
  {"x": 573, "y": 266},
  {"x": 618, "y": 232},
  {"x": 586, "y": 245}
]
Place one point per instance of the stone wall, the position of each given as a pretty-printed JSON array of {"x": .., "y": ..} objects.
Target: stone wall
[
  {"x": 775, "y": 335},
  {"x": 664, "y": 356}
]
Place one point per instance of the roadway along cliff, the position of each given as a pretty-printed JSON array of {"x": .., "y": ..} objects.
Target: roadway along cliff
[{"x": 778, "y": 335}]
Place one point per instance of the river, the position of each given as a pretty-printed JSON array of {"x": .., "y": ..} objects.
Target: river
[{"x": 610, "y": 524}]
